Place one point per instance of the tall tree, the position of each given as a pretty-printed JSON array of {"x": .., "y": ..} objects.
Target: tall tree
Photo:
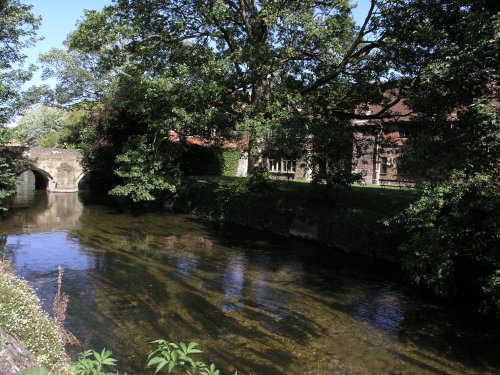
[
  {"x": 452, "y": 51},
  {"x": 263, "y": 44},
  {"x": 79, "y": 78},
  {"x": 38, "y": 123},
  {"x": 17, "y": 30}
]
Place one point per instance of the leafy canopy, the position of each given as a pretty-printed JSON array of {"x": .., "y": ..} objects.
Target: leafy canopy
[{"x": 17, "y": 30}]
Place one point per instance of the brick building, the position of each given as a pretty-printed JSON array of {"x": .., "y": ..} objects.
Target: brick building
[{"x": 383, "y": 142}]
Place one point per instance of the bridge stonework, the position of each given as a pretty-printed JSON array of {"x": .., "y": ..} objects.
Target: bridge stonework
[{"x": 60, "y": 167}]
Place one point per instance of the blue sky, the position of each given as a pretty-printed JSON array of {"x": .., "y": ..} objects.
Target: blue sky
[{"x": 59, "y": 18}]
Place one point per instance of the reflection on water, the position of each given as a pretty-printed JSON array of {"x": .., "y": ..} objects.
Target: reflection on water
[
  {"x": 233, "y": 285},
  {"x": 262, "y": 305},
  {"x": 38, "y": 211}
]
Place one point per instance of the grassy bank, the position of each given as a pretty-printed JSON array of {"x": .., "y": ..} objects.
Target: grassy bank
[
  {"x": 348, "y": 219},
  {"x": 22, "y": 317}
]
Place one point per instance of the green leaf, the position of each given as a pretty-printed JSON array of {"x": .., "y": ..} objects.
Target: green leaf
[{"x": 162, "y": 364}]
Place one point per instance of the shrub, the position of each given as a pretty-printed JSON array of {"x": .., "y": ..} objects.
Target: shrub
[
  {"x": 259, "y": 180},
  {"x": 453, "y": 239},
  {"x": 230, "y": 159}
]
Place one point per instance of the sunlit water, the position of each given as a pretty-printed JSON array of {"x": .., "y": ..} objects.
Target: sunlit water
[{"x": 256, "y": 304}]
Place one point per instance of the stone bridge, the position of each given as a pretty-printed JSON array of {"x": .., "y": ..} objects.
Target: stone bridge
[{"x": 51, "y": 169}]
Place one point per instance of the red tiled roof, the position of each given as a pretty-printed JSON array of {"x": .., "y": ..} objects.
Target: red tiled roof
[{"x": 200, "y": 141}]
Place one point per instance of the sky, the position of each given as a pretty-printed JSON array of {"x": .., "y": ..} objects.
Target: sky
[{"x": 59, "y": 18}]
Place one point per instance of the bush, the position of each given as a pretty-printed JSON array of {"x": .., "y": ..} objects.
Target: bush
[
  {"x": 200, "y": 160},
  {"x": 453, "y": 239},
  {"x": 230, "y": 161},
  {"x": 259, "y": 180}
]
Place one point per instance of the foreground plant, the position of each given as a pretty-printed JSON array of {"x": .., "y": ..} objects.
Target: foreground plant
[
  {"x": 166, "y": 357},
  {"x": 93, "y": 363},
  {"x": 172, "y": 355}
]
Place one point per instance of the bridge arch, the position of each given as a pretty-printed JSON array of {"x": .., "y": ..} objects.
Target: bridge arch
[
  {"x": 59, "y": 169},
  {"x": 80, "y": 178},
  {"x": 33, "y": 178}
]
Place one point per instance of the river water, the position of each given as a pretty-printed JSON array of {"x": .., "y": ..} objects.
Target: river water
[{"x": 255, "y": 303}]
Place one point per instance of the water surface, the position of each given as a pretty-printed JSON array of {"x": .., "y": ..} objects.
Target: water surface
[{"x": 257, "y": 304}]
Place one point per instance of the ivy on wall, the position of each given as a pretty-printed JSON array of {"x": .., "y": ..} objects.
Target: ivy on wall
[{"x": 230, "y": 161}]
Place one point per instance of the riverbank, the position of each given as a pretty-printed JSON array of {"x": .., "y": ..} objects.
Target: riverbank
[
  {"x": 29, "y": 338},
  {"x": 351, "y": 220}
]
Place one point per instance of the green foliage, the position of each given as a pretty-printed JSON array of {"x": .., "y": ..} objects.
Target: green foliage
[
  {"x": 259, "y": 181},
  {"x": 18, "y": 30},
  {"x": 170, "y": 355},
  {"x": 226, "y": 80},
  {"x": 78, "y": 76},
  {"x": 298, "y": 70},
  {"x": 36, "y": 372},
  {"x": 41, "y": 125},
  {"x": 444, "y": 44},
  {"x": 230, "y": 161},
  {"x": 166, "y": 356},
  {"x": 49, "y": 140},
  {"x": 453, "y": 241},
  {"x": 468, "y": 143},
  {"x": 91, "y": 362},
  {"x": 8, "y": 177},
  {"x": 331, "y": 154},
  {"x": 44, "y": 126},
  {"x": 145, "y": 172}
]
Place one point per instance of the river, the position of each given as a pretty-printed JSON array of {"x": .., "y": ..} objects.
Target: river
[{"x": 256, "y": 303}]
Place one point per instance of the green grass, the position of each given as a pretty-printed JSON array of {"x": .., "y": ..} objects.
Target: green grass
[{"x": 389, "y": 200}]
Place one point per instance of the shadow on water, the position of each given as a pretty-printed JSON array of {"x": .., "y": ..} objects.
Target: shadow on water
[{"x": 256, "y": 303}]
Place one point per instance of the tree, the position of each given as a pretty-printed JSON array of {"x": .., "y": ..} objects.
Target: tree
[
  {"x": 266, "y": 47},
  {"x": 17, "y": 30},
  {"x": 451, "y": 48},
  {"x": 8, "y": 177},
  {"x": 38, "y": 123},
  {"x": 79, "y": 79},
  {"x": 290, "y": 65}
]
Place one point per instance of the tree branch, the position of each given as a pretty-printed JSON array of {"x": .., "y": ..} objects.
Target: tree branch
[{"x": 348, "y": 56}]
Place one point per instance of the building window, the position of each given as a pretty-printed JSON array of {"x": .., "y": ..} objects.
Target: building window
[
  {"x": 281, "y": 166},
  {"x": 383, "y": 165},
  {"x": 289, "y": 166},
  {"x": 402, "y": 134},
  {"x": 274, "y": 165}
]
